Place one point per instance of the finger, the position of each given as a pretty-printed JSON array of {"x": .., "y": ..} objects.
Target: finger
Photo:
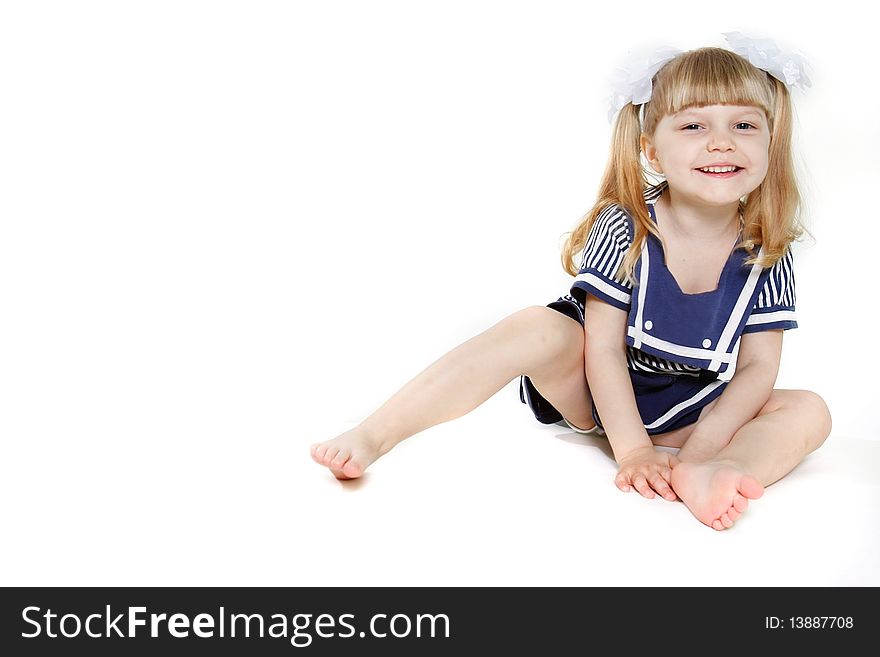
[
  {"x": 667, "y": 477},
  {"x": 666, "y": 473},
  {"x": 662, "y": 486},
  {"x": 641, "y": 485},
  {"x": 622, "y": 481}
]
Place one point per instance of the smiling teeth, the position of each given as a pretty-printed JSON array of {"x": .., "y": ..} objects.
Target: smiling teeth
[{"x": 718, "y": 169}]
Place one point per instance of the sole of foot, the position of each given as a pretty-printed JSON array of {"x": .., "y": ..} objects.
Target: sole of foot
[{"x": 716, "y": 493}]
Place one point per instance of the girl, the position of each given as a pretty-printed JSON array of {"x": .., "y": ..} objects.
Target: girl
[{"x": 678, "y": 281}]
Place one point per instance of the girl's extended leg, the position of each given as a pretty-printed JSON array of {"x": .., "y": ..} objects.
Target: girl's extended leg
[
  {"x": 791, "y": 424},
  {"x": 537, "y": 341}
]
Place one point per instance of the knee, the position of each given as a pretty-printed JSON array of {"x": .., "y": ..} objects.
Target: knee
[
  {"x": 553, "y": 330},
  {"x": 547, "y": 330},
  {"x": 812, "y": 407}
]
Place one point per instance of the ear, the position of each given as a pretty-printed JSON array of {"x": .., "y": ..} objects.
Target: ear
[{"x": 650, "y": 152}]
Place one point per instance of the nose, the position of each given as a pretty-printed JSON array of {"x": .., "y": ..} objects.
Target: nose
[{"x": 721, "y": 141}]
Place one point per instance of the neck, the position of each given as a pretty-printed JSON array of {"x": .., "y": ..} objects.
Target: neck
[{"x": 702, "y": 222}]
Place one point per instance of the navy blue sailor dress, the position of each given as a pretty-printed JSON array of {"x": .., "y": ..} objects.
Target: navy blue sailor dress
[{"x": 678, "y": 345}]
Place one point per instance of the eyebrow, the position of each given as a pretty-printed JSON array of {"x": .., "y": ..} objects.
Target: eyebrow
[{"x": 695, "y": 112}]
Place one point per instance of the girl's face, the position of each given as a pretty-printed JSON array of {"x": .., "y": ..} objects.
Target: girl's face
[{"x": 710, "y": 136}]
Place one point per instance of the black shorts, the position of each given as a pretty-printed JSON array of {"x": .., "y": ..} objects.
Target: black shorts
[{"x": 665, "y": 401}]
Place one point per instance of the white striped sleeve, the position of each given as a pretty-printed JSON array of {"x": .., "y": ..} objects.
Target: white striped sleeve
[
  {"x": 606, "y": 246},
  {"x": 775, "y": 307}
]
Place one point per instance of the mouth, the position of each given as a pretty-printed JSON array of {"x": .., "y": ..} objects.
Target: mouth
[{"x": 726, "y": 174}]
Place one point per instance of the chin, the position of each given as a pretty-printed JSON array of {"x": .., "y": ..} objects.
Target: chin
[
  {"x": 721, "y": 199},
  {"x": 720, "y": 193}
]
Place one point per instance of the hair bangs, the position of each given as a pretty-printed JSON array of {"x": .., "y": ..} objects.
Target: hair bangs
[{"x": 707, "y": 76}]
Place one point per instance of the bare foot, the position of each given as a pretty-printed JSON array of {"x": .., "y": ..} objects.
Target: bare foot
[
  {"x": 717, "y": 493},
  {"x": 347, "y": 455}
]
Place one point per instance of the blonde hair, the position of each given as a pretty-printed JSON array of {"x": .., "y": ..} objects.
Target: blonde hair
[{"x": 705, "y": 76}]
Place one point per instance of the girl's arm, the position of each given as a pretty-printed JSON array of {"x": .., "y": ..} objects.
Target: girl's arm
[
  {"x": 640, "y": 465},
  {"x": 749, "y": 389},
  {"x": 608, "y": 378}
]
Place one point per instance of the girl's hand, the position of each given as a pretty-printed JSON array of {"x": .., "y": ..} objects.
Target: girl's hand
[{"x": 647, "y": 470}]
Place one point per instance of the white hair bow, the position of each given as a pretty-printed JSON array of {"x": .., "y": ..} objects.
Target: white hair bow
[
  {"x": 787, "y": 67},
  {"x": 631, "y": 81}
]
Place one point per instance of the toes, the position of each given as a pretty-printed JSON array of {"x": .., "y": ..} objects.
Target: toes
[
  {"x": 341, "y": 457},
  {"x": 716, "y": 524},
  {"x": 740, "y": 503},
  {"x": 330, "y": 454},
  {"x": 339, "y": 474},
  {"x": 352, "y": 469},
  {"x": 318, "y": 453},
  {"x": 726, "y": 521},
  {"x": 733, "y": 514}
]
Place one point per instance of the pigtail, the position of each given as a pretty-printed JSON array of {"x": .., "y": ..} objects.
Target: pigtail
[
  {"x": 622, "y": 184},
  {"x": 770, "y": 214}
]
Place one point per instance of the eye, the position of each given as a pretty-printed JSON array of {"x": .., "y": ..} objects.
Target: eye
[{"x": 698, "y": 125}]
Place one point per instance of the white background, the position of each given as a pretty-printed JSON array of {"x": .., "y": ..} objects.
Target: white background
[{"x": 232, "y": 229}]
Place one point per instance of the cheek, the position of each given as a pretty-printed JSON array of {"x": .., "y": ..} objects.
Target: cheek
[{"x": 761, "y": 168}]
